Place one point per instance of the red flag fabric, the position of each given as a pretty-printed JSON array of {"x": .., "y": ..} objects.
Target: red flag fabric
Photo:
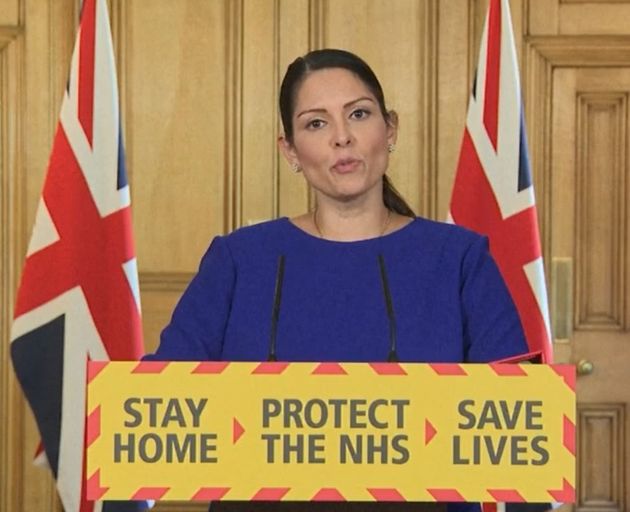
[
  {"x": 493, "y": 192},
  {"x": 78, "y": 297}
]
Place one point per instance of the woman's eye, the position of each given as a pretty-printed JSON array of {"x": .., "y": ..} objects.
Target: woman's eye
[
  {"x": 315, "y": 123},
  {"x": 360, "y": 113}
]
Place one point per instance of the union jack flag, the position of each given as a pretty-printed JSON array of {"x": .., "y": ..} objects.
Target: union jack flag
[
  {"x": 493, "y": 192},
  {"x": 78, "y": 297}
]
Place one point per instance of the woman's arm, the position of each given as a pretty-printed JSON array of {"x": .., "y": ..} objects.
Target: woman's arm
[
  {"x": 493, "y": 329},
  {"x": 197, "y": 326}
]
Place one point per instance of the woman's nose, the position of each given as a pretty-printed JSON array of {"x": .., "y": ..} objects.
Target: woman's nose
[
  {"x": 343, "y": 141},
  {"x": 342, "y": 137}
]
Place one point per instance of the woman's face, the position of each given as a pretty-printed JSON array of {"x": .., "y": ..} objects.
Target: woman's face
[{"x": 340, "y": 137}]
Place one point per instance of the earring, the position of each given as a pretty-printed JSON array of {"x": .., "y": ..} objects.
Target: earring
[
  {"x": 391, "y": 148},
  {"x": 295, "y": 167}
]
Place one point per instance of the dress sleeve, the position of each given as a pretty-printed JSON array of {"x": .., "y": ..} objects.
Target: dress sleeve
[
  {"x": 197, "y": 326},
  {"x": 492, "y": 327}
]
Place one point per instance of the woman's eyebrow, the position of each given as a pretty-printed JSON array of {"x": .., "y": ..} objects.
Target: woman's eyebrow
[
  {"x": 362, "y": 98},
  {"x": 346, "y": 105},
  {"x": 312, "y": 111}
]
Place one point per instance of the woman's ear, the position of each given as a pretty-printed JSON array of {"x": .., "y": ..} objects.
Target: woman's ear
[
  {"x": 392, "y": 127},
  {"x": 288, "y": 151}
]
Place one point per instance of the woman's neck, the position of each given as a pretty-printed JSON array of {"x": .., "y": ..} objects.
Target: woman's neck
[{"x": 348, "y": 224}]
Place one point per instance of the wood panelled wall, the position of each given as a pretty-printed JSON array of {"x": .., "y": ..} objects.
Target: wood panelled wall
[{"x": 198, "y": 87}]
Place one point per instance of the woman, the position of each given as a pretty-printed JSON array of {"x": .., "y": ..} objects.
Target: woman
[{"x": 359, "y": 278}]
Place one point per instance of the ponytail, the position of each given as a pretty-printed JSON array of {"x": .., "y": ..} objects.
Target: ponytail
[{"x": 394, "y": 201}]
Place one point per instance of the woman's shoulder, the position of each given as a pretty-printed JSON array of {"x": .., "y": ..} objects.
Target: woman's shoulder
[
  {"x": 247, "y": 242},
  {"x": 257, "y": 229},
  {"x": 259, "y": 235},
  {"x": 436, "y": 241},
  {"x": 439, "y": 231}
]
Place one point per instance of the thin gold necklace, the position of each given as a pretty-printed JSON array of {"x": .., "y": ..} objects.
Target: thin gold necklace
[{"x": 321, "y": 235}]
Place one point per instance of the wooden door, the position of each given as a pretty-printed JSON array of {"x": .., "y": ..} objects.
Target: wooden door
[
  {"x": 590, "y": 218},
  {"x": 577, "y": 69}
]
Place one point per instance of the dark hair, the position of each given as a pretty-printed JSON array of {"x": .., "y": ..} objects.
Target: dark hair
[{"x": 297, "y": 72}]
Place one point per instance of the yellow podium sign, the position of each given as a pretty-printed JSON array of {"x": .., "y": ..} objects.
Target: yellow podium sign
[{"x": 331, "y": 431}]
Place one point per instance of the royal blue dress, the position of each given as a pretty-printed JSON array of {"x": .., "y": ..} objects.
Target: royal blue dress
[{"x": 449, "y": 301}]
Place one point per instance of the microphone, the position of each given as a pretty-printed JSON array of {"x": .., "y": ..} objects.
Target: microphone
[
  {"x": 392, "y": 357},
  {"x": 275, "y": 312}
]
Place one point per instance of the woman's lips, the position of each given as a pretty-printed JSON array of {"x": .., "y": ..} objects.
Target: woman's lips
[{"x": 346, "y": 165}]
